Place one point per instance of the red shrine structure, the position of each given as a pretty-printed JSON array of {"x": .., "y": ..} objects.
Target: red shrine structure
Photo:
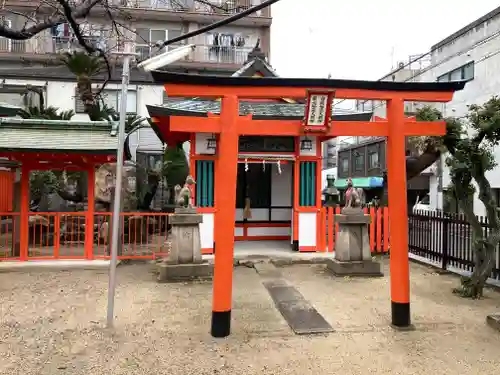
[
  {"x": 220, "y": 131},
  {"x": 37, "y": 145}
]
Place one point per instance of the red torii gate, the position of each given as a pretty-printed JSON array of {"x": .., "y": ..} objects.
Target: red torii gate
[{"x": 230, "y": 125}]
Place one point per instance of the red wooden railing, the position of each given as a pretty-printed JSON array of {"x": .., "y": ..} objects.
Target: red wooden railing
[
  {"x": 62, "y": 235},
  {"x": 378, "y": 230},
  {"x": 6, "y": 193}
]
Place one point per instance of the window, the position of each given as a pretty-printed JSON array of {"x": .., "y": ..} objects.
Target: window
[
  {"x": 345, "y": 165},
  {"x": 465, "y": 72},
  {"x": 359, "y": 162},
  {"x": 373, "y": 160},
  {"x": 63, "y": 38},
  {"x": 19, "y": 96},
  {"x": 425, "y": 200},
  {"x": 112, "y": 99},
  {"x": 146, "y": 38}
]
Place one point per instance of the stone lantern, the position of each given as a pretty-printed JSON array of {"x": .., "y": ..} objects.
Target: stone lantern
[{"x": 331, "y": 192}]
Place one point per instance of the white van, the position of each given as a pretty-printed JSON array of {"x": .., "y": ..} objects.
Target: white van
[{"x": 422, "y": 204}]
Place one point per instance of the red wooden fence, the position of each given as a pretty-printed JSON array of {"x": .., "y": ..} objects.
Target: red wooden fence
[
  {"x": 6, "y": 193},
  {"x": 378, "y": 231}
]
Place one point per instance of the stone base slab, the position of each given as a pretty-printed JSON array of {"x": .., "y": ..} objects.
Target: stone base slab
[
  {"x": 493, "y": 321},
  {"x": 354, "y": 268},
  {"x": 184, "y": 272},
  {"x": 409, "y": 328},
  {"x": 185, "y": 219},
  {"x": 353, "y": 219}
]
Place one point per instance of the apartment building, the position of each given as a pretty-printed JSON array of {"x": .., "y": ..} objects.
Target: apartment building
[
  {"x": 473, "y": 54},
  {"x": 223, "y": 51}
]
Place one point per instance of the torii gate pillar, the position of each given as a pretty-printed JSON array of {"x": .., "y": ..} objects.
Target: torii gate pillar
[
  {"x": 398, "y": 225},
  {"x": 225, "y": 197}
]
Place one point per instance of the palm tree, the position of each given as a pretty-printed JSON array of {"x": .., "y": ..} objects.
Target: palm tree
[
  {"x": 85, "y": 67},
  {"x": 133, "y": 123},
  {"x": 49, "y": 113}
]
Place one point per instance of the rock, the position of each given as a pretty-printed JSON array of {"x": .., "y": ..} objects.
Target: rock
[
  {"x": 105, "y": 178},
  {"x": 493, "y": 321}
]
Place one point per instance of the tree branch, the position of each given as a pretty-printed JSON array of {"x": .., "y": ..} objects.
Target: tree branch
[
  {"x": 28, "y": 32},
  {"x": 81, "y": 40}
]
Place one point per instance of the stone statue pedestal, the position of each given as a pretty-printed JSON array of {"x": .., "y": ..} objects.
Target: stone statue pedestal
[
  {"x": 352, "y": 246},
  {"x": 185, "y": 261}
]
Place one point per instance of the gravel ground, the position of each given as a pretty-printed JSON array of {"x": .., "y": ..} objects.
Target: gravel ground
[{"x": 52, "y": 323}]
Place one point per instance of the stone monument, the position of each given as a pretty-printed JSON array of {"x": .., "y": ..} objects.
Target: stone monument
[
  {"x": 184, "y": 262},
  {"x": 352, "y": 245}
]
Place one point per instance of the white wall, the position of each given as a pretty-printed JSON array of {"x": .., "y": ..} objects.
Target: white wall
[{"x": 281, "y": 192}]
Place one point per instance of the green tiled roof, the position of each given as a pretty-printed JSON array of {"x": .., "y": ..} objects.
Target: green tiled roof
[
  {"x": 57, "y": 135},
  {"x": 259, "y": 110}
]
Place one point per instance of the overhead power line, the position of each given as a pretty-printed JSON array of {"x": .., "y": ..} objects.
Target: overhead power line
[{"x": 220, "y": 23}]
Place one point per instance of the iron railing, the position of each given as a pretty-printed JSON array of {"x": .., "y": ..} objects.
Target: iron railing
[{"x": 446, "y": 240}]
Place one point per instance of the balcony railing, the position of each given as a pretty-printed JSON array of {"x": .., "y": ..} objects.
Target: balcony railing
[
  {"x": 205, "y": 7},
  {"x": 221, "y": 7},
  {"x": 206, "y": 54},
  {"x": 40, "y": 45}
]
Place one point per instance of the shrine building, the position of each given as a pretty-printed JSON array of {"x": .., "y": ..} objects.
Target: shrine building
[{"x": 278, "y": 189}]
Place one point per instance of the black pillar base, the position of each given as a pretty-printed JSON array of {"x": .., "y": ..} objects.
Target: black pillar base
[
  {"x": 400, "y": 314},
  {"x": 295, "y": 245},
  {"x": 221, "y": 323}
]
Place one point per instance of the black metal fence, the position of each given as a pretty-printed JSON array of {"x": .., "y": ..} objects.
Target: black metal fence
[{"x": 446, "y": 239}]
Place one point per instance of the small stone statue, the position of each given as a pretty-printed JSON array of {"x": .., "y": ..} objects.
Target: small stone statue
[
  {"x": 183, "y": 195},
  {"x": 354, "y": 196}
]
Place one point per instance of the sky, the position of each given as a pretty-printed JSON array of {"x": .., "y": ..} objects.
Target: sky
[{"x": 361, "y": 39}]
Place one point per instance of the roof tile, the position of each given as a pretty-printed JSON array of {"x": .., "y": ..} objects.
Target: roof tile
[{"x": 259, "y": 110}]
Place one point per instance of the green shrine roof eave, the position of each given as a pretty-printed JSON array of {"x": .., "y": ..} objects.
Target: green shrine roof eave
[
  {"x": 7, "y": 109},
  {"x": 259, "y": 110},
  {"x": 15, "y": 122}
]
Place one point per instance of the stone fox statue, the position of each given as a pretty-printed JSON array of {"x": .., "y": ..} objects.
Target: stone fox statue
[
  {"x": 354, "y": 196},
  {"x": 183, "y": 195}
]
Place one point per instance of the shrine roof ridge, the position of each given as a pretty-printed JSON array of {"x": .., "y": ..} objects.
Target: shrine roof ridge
[
  {"x": 258, "y": 110},
  {"x": 218, "y": 80},
  {"x": 20, "y": 123}
]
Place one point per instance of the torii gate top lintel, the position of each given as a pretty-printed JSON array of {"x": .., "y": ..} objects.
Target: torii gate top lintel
[{"x": 203, "y": 86}]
